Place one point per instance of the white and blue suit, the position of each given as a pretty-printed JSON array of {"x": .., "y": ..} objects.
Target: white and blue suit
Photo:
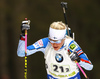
[{"x": 58, "y": 63}]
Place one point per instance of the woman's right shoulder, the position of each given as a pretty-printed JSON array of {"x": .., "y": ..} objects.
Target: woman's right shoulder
[{"x": 45, "y": 41}]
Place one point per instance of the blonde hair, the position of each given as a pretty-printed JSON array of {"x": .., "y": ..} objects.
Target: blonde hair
[{"x": 59, "y": 25}]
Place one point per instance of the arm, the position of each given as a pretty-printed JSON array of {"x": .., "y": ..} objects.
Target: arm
[
  {"x": 40, "y": 45},
  {"x": 84, "y": 61}
]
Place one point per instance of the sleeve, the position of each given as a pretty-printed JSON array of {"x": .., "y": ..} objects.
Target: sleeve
[
  {"x": 84, "y": 62},
  {"x": 40, "y": 45}
]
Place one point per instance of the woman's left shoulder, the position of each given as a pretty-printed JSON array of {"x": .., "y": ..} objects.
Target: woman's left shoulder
[{"x": 68, "y": 39}]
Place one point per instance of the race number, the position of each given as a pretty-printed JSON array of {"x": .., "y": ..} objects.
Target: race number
[{"x": 60, "y": 69}]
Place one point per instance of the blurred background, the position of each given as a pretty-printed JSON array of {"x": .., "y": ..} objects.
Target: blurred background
[{"x": 83, "y": 18}]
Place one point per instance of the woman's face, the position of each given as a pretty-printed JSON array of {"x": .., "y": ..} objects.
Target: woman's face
[{"x": 57, "y": 46}]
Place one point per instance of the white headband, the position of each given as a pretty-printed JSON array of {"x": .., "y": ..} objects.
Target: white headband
[{"x": 55, "y": 34}]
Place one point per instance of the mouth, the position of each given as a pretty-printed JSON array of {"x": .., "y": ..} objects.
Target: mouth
[{"x": 56, "y": 48}]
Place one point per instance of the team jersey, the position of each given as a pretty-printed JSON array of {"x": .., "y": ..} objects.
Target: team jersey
[{"x": 58, "y": 63}]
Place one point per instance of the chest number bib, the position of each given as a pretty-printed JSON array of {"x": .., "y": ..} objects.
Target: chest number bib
[{"x": 60, "y": 69}]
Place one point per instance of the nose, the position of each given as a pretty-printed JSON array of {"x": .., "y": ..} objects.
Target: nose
[{"x": 54, "y": 44}]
